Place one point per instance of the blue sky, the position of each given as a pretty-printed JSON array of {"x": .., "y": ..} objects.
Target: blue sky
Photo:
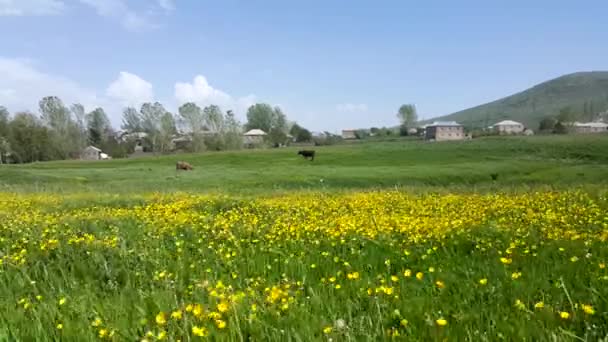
[{"x": 329, "y": 64}]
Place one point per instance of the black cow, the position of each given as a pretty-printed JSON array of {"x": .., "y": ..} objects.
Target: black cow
[{"x": 307, "y": 154}]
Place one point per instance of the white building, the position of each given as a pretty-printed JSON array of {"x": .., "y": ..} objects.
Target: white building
[
  {"x": 349, "y": 134},
  {"x": 90, "y": 153},
  {"x": 254, "y": 137},
  {"x": 509, "y": 127},
  {"x": 590, "y": 127}
]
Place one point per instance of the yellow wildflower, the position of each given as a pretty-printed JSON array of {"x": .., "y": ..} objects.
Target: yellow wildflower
[
  {"x": 199, "y": 331},
  {"x": 441, "y": 322},
  {"x": 161, "y": 319},
  {"x": 588, "y": 309}
]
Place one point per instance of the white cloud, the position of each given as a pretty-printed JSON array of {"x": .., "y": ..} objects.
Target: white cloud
[
  {"x": 167, "y": 5},
  {"x": 31, "y": 7},
  {"x": 130, "y": 19},
  {"x": 130, "y": 90},
  {"x": 22, "y": 86},
  {"x": 203, "y": 94},
  {"x": 351, "y": 107}
]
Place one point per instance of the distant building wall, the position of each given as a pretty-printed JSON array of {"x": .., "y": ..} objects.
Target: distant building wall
[
  {"x": 510, "y": 129},
  {"x": 440, "y": 133},
  {"x": 349, "y": 134}
]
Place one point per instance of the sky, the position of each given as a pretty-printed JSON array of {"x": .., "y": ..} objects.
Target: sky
[{"x": 329, "y": 64}]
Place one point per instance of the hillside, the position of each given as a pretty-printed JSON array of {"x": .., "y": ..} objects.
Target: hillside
[{"x": 585, "y": 92}]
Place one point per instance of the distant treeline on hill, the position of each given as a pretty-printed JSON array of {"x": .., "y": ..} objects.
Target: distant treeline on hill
[{"x": 583, "y": 95}]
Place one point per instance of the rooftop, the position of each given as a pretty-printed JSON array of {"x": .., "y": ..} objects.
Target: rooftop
[
  {"x": 507, "y": 123},
  {"x": 591, "y": 124},
  {"x": 444, "y": 123},
  {"x": 255, "y": 132}
]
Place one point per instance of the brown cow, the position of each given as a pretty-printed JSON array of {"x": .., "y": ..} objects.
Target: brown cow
[{"x": 182, "y": 165}]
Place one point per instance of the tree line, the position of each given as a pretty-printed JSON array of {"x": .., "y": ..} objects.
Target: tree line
[
  {"x": 568, "y": 115},
  {"x": 60, "y": 132}
]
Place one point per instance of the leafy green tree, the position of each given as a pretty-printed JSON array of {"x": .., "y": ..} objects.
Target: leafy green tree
[
  {"x": 301, "y": 134},
  {"x": 29, "y": 139},
  {"x": 270, "y": 120},
  {"x": 4, "y": 118},
  {"x": 79, "y": 128},
  {"x": 98, "y": 127},
  {"x": 167, "y": 131},
  {"x": 57, "y": 117},
  {"x": 131, "y": 120},
  {"x": 191, "y": 120},
  {"x": 261, "y": 116},
  {"x": 408, "y": 115},
  {"x": 54, "y": 113},
  {"x": 547, "y": 124},
  {"x": 4, "y": 144},
  {"x": 232, "y": 133},
  {"x": 151, "y": 114},
  {"x": 213, "y": 118}
]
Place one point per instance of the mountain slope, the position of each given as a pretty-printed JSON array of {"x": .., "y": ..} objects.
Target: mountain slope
[{"x": 585, "y": 92}]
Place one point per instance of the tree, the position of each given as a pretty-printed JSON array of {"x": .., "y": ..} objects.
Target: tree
[
  {"x": 56, "y": 116},
  {"x": 151, "y": 114},
  {"x": 560, "y": 128},
  {"x": 213, "y": 118},
  {"x": 232, "y": 133},
  {"x": 98, "y": 127},
  {"x": 167, "y": 131},
  {"x": 29, "y": 139},
  {"x": 79, "y": 128},
  {"x": 54, "y": 113},
  {"x": 190, "y": 119},
  {"x": 270, "y": 120},
  {"x": 131, "y": 120},
  {"x": 261, "y": 116},
  {"x": 280, "y": 119},
  {"x": 4, "y": 145},
  {"x": 408, "y": 116},
  {"x": 4, "y": 118},
  {"x": 547, "y": 124},
  {"x": 301, "y": 134}
]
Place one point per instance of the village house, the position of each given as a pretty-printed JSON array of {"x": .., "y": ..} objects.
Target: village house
[
  {"x": 444, "y": 130},
  {"x": 589, "y": 127},
  {"x": 93, "y": 153},
  {"x": 254, "y": 137},
  {"x": 349, "y": 134},
  {"x": 509, "y": 127}
]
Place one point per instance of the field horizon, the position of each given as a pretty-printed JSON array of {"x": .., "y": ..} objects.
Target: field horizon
[{"x": 542, "y": 162}]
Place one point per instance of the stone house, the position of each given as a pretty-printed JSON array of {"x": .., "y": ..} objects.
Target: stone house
[
  {"x": 349, "y": 134},
  {"x": 589, "y": 127},
  {"x": 90, "y": 153},
  {"x": 509, "y": 127},
  {"x": 444, "y": 130}
]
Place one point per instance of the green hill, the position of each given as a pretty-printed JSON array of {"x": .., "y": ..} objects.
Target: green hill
[{"x": 585, "y": 92}]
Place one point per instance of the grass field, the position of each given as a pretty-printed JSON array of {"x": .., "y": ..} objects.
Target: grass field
[
  {"x": 400, "y": 241},
  {"x": 563, "y": 161}
]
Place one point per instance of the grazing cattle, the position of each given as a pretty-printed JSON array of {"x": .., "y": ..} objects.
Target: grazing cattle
[
  {"x": 307, "y": 154},
  {"x": 182, "y": 165}
]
